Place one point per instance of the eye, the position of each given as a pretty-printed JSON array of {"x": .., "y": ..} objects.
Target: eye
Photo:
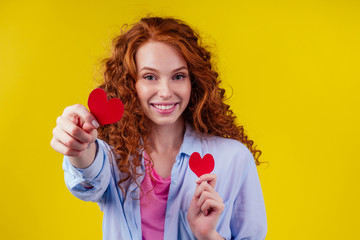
[
  {"x": 179, "y": 76},
  {"x": 150, "y": 77}
]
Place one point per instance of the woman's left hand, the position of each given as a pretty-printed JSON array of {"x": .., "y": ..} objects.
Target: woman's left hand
[{"x": 205, "y": 208}]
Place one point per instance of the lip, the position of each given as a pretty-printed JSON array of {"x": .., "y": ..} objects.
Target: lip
[{"x": 164, "y": 111}]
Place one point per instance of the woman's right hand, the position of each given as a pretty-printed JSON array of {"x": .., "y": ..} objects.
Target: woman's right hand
[{"x": 75, "y": 134}]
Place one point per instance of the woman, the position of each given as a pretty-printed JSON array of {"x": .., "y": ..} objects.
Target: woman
[{"x": 139, "y": 171}]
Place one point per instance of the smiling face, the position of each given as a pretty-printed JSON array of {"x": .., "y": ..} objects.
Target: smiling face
[{"x": 163, "y": 83}]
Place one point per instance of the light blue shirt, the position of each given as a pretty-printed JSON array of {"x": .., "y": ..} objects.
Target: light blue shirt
[{"x": 238, "y": 184}]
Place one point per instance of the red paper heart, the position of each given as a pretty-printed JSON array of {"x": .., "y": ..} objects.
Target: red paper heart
[
  {"x": 105, "y": 111},
  {"x": 200, "y": 165}
]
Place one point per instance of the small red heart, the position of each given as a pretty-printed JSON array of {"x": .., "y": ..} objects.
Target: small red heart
[
  {"x": 105, "y": 111},
  {"x": 200, "y": 165}
]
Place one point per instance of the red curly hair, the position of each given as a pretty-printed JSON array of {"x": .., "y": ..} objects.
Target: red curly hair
[{"x": 206, "y": 112}]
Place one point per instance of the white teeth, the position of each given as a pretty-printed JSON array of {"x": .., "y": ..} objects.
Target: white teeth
[{"x": 164, "y": 107}]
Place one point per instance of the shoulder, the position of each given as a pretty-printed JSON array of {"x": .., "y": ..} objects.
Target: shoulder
[
  {"x": 231, "y": 156},
  {"x": 225, "y": 146},
  {"x": 109, "y": 155},
  {"x": 226, "y": 143},
  {"x": 218, "y": 146}
]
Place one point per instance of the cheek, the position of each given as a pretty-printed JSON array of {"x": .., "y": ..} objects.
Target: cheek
[
  {"x": 141, "y": 92},
  {"x": 187, "y": 92}
]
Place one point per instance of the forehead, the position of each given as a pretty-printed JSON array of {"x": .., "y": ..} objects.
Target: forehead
[{"x": 160, "y": 56}]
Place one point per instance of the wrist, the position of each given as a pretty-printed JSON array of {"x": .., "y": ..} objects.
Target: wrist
[{"x": 86, "y": 158}]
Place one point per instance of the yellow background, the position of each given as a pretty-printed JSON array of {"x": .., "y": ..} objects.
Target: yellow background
[{"x": 294, "y": 70}]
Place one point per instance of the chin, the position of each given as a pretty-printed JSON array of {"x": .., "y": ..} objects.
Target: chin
[{"x": 165, "y": 122}]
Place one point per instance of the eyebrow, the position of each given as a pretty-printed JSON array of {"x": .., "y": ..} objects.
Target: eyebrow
[{"x": 153, "y": 69}]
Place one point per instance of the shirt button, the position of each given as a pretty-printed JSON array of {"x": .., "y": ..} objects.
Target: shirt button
[{"x": 175, "y": 182}]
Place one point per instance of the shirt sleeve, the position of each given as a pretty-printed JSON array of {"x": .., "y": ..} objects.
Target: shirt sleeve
[
  {"x": 248, "y": 220},
  {"x": 89, "y": 184}
]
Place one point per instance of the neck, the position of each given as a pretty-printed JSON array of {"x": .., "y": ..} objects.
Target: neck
[{"x": 165, "y": 139}]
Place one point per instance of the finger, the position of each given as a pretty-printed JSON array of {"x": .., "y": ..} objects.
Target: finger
[
  {"x": 208, "y": 195},
  {"x": 88, "y": 127},
  {"x": 210, "y": 178},
  {"x": 73, "y": 130},
  {"x": 211, "y": 205},
  {"x": 64, "y": 150},
  {"x": 204, "y": 186},
  {"x": 78, "y": 110},
  {"x": 68, "y": 140}
]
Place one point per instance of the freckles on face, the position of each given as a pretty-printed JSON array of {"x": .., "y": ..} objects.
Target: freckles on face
[{"x": 163, "y": 83}]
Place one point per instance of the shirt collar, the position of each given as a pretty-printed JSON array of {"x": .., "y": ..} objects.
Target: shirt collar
[{"x": 191, "y": 142}]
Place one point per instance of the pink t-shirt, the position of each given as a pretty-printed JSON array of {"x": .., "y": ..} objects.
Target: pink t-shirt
[{"x": 153, "y": 204}]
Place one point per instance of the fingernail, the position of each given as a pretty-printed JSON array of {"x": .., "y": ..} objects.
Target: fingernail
[
  {"x": 95, "y": 124},
  {"x": 197, "y": 180}
]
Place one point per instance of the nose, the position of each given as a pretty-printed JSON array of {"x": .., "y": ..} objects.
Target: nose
[{"x": 165, "y": 90}]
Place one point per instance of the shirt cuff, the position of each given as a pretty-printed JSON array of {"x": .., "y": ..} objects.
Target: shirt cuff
[
  {"x": 95, "y": 167},
  {"x": 91, "y": 171}
]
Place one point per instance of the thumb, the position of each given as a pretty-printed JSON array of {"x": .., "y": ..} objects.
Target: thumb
[
  {"x": 210, "y": 178},
  {"x": 88, "y": 127}
]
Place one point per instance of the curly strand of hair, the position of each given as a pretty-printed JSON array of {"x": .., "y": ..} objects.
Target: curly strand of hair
[{"x": 207, "y": 112}]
